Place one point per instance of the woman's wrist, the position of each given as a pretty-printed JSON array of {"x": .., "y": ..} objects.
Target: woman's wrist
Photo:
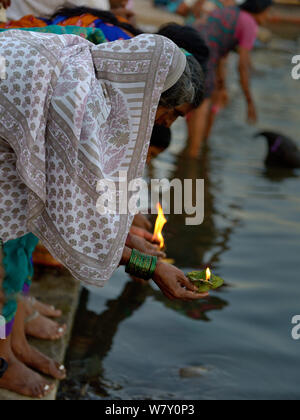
[
  {"x": 141, "y": 265},
  {"x": 126, "y": 256},
  {"x": 159, "y": 265},
  {"x": 129, "y": 243}
]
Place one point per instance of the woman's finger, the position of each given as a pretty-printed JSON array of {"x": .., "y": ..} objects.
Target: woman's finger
[
  {"x": 148, "y": 225},
  {"x": 155, "y": 240},
  {"x": 148, "y": 236},
  {"x": 186, "y": 294},
  {"x": 188, "y": 284},
  {"x": 141, "y": 232},
  {"x": 151, "y": 246},
  {"x": 155, "y": 252},
  {"x": 169, "y": 296},
  {"x": 159, "y": 254}
]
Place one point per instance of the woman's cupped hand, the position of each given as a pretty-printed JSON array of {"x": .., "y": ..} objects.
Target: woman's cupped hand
[
  {"x": 174, "y": 284},
  {"x": 143, "y": 245}
]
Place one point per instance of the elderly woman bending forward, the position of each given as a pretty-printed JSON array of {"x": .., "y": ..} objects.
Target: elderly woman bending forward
[{"x": 72, "y": 114}]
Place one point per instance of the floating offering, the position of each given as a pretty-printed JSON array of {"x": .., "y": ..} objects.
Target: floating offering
[
  {"x": 205, "y": 280},
  {"x": 2, "y": 14}
]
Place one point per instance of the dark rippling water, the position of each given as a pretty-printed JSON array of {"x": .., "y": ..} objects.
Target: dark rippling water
[{"x": 129, "y": 342}]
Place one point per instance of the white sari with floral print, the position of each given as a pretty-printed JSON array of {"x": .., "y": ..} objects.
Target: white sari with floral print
[{"x": 71, "y": 114}]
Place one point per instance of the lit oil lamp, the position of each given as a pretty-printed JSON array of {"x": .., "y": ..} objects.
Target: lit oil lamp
[
  {"x": 158, "y": 236},
  {"x": 208, "y": 276},
  {"x": 159, "y": 225},
  {"x": 205, "y": 280}
]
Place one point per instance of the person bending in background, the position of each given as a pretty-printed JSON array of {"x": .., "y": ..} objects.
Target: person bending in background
[
  {"x": 193, "y": 9},
  {"x": 209, "y": 6},
  {"x": 189, "y": 8},
  {"x": 123, "y": 8},
  {"x": 220, "y": 96},
  {"x": 184, "y": 8},
  {"x": 226, "y": 30}
]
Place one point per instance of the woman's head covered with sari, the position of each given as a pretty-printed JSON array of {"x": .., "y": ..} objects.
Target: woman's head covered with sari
[{"x": 72, "y": 115}]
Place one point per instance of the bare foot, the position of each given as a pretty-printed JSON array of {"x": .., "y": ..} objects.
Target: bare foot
[
  {"x": 19, "y": 379},
  {"x": 44, "y": 328},
  {"x": 29, "y": 355},
  {"x": 47, "y": 310},
  {"x": 38, "y": 326}
]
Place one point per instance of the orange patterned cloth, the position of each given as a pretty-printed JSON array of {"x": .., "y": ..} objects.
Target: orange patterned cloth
[
  {"x": 85, "y": 21},
  {"x": 110, "y": 31},
  {"x": 28, "y": 21},
  {"x": 88, "y": 21}
]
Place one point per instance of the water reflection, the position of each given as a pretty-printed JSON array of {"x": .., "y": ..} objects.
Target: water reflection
[
  {"x": 191, "y": 247},
  {"x": 277, "y": 175},
  {"x": 197, "y": 311},
  {"x": 199, "y": 246},
  {"x": 94, "y": 334},
  {"x": 136, "y": 345}
]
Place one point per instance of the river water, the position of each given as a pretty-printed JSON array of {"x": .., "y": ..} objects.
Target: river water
[{"x": 129, "y": 342}]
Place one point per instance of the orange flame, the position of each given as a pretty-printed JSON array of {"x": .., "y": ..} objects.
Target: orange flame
[
  {"x": 159, "y": 225},
  {"x": 208, "y": 274}
]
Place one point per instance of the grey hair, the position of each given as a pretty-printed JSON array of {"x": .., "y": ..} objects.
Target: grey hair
[{"x": 188, "y": 89}]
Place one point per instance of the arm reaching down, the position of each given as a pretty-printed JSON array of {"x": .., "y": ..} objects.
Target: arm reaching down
[
  {"x": 244, "y": 69},
  {"x": 172, "y": 282}
]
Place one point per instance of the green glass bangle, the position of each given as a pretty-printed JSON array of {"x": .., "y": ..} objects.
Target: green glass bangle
[
  {"x": 153, "y": 266},
  {"x": 145, "y": 265},
  {"x": 148, "y": 265},
  {"x": 141, "y": 265},
  {"x": 133, "y": 259},
  {"x": 130, "y": 268}
]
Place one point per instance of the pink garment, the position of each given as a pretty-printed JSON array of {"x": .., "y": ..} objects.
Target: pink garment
[
  {"x": 246, "y": 30},
  {"x": 130, "y": 5}
]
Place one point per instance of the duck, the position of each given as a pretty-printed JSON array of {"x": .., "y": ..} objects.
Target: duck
[{"x": 283, "y": 151}]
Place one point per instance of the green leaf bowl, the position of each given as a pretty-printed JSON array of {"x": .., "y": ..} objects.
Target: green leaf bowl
[{"x": 199, "y": 279}]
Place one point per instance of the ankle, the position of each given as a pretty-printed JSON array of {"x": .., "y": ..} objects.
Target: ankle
[{"x": 5, "y": 349}]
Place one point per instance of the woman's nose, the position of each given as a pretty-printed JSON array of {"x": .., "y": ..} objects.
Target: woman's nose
[{"x": 170, "y": 120}]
